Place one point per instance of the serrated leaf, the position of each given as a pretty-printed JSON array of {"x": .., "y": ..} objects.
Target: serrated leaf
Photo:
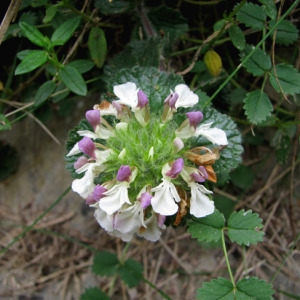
[
  {"x": 97, "y": 46},
  {"x": 243, "y": 228},
  {"x": 257, "y": 106},
  {"x": 231, "y": 154},
  {"x": 33, "y": 34},
  {"x": 32, "y": 61},
  {"x": 73, "y": 80},
  {"x": 269, "y": 7},
  {"x": 288, "y": 77},
  {"x": 82, "y": 65},
  {"x": 217, "y": 289},
  {"x": 62, "y": 34},
  {"x": 43, "y": 93},
  {"x": 131, "y": 272},
  {"x": 93, "y": 294},
  {"x": 252, "y": 16},
  {"x": 237, "y": 37},
  {"x": 4, "y": 123},
  {"x": 286, "y": 32},
  {"x": 112, "y": 7},
  {"x": 253, "y": 288},
  {"x": 258, "y": 63},
  {"x": 105, "y": 263},
  {"x": 208, "y": 228}
]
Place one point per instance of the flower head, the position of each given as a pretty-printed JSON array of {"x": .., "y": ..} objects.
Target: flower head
[{"x": 137, "y": 169}]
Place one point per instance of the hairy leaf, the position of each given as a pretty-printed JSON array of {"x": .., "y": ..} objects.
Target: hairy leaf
[
  {"x": 257, "y": 106},
  {"x": 243, "y": 227},
  {"x": 208, "y": 228},
  {"x": 285, "y": 78},
  {"x": 73, "y": 80},
  {"x": 253, "y": 288},
  {"x": 258, "y": 63},
  {"x": 217, "y": 289},
  {"x": 252, "y": 15}
]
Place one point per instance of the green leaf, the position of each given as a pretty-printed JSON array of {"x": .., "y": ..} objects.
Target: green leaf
[
  {"x": 73, "y": 80},
  {"x": 112, "y": 7},
  {"x": 105, "y": 263},
  {"x": 217, "y": 289},
  {"x": 82, "y": 65},
  {"x": 33, "y": 60},
  {"x": 224, "y": 205},
  {"x": 237, "y": 37},
  {"x": 257, "y": 106},
  {"x": 252, "y": 16},
  {"x": 61, "y": 35},
  {"x": 258, "y": 63},
  {"x": 243, "y": 228},
  {"x": 97, "y": 46},
  {"x": 43, "y": 93},
  {"x": 131, "y": 272},
  {"x": 93, "y": 294},
  {"x": 288, "y": 77},
  {"x": 61, "y": 92},
  {"x": 286, "y": 32},
  {"x": 269, "y": 7},
  {"x": 33, "y": 34},
  {"x": 253, "y": 288},
  {"x": 243, "y": 177},
  {"x": 208, "y": 228},
  {"x": 4, "y": 123},
  {"x": 50, "y": 13}
]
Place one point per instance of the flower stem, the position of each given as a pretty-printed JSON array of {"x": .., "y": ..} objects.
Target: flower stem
[{"x": 227, "y": 260}]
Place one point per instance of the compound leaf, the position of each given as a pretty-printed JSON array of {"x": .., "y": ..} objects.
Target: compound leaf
[
  {"x": 105, "y": 263},
  {"x": 243, "y": 227},
  {"x": 93, "y": 294},
  {"x": 286, "y": 32},
  {"x": 131, "y": 272}
]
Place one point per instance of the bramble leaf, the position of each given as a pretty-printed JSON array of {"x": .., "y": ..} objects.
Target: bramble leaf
[
  {"x": 269, "y": 7},
  {"x": 243, "y": 227},
  {"x": 33, "y": 34},
  {"x": 288, "y": 77},
  {"x": 253, "y": 288},
  {"x": 258, "y": 63},
  {"x": 61, "y": 35},
  {"x": 44, "y": 91},
  {"x": 216, "y": 289},
  {"x": 252, "y": 15},
  {"x": 32, "y": 61},
  {"x": 97, "y": 46},
  {"x": 208, "y": 228},
  {"x": 257, "y": 106},
  {"x": 73, "y": 80},
  {"x": 237, "y": 37},
  {"x": 93, "y": 294},
  {"x": 131, "y": 272}
]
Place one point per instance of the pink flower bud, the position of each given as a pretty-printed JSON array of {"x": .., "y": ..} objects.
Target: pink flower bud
[
  {"x": 81, "y": 161},
  {"x": 195, "y": 117},
  {"x": 93, "y": 117},
  {"x": 142, "y": 99},
  {"x": 87, "y": 146},
  {"x": 124, "y": 173},
  {"x": 98, "y": 192},
  {"x": 145, "y": 200},
  {"x": 171, "y": 100},
  {"x": 176, "y": 168}
]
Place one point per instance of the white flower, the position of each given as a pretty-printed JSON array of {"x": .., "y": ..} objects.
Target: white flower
[
  {"x": 127, "y": 94},
  {"x": 165, "y": 196},
  {"x": 85, "y": 185},
  {"x": 74, "y": 150},
  {"x": 200, "y": 204},
  {"x": 152, "y": 231},
  {"x": 101, "y": 132},
  {"x": 186, "y": 97},
  {"x": 115, "y": 198},
  {"x": 214, "y": 135}
]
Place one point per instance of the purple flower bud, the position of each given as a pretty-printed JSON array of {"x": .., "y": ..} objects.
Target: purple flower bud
[
  {"x": 201, "y": 175},
  {"x": 171, "y": 100},
  {"x": 161, "y": 220},
  {"x": 124, "y": 173},
  {"x": 195, "y": 117},
  {"x": 87, "y": 146},
  {"x": 81, "y": 161},
  {"x": 176, "y": 168},
  {"x": 90, "y": 200},
  {"x": 117, "y": 106},
  {"x": 142, "y": 99},
  {"x": 98, "y": 192},
  {"x": 145, "y": 200},
  {"x": 93, "y": 117}
]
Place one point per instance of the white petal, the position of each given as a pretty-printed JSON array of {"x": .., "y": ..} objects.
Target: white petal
[
  {"x": 127, "y": 93},
  {"x": 105, "y": 221},
  {"x": 214, "y": 135},
  {"x": 152, "y": 231},
  {"x": 186, "y": 97},
  {"x": 200, "y": 204},
  {"x": 163, "y": 201},
  {"x": 115, "y": 198},
  {"x": 74, "y": 150},
  {"x": 85, "y": 185}
]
